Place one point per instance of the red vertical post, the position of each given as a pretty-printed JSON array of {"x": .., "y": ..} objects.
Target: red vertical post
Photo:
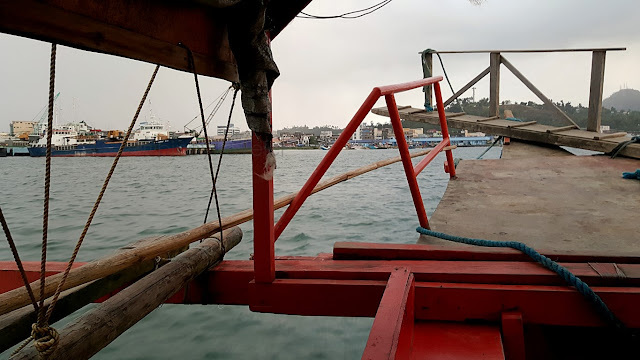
[
  {"x": 445, "y": 129},
  {"x": 264, "y": 265},
  {"x": 513, "y": 335},
  {"x": 406, "y": 159}
]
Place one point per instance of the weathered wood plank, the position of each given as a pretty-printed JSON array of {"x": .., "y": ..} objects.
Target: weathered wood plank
[
  {"x": 488, "y": 119},
  {"x": 452, "y": 115},
  {"x": 610, "y": 136},
  {"x": 522, "y": 124},
  {"x": 144, "y": 30},
  {"x": 427, "y": 72},
  {"x": 494, "y": 84},
  {"x": 413, "y": 111},
  {"x": 563, "y": 128},
  {"x": 594, "y": 117},
  {"x": 530, "y": 50},
  {"x": 120, "y": 312},
  {"x": 536, "y": 133}
]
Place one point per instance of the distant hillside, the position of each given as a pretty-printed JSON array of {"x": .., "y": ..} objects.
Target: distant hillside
[
  {"x": 625, "y": 99},
  {"x": 618, "y": 119}
]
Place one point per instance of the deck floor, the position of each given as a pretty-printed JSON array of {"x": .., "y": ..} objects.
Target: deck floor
[{"x": 568, "y": 203}]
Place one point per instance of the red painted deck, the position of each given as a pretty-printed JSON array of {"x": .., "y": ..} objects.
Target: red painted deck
[
  {"x": 478, "y": 306},
  {"x": 452, "y": 341}
]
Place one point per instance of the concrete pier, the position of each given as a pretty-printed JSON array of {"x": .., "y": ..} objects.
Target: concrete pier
[{"x": 567, "y": 203}]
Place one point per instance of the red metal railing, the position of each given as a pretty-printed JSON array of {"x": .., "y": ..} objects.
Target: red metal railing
[
  {"x": 411, "y": 172},
  {"x": 264, "y": 261}
]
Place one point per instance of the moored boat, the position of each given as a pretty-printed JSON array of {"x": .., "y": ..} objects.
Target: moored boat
[
  {"x": 106, "y": 148},
  {"x": 151, "y": 139}
]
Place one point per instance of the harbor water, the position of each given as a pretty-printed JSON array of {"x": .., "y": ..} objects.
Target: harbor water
[{"x": 165, "y": 195}]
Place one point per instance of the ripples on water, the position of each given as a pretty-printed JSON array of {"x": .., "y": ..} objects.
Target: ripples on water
[{"x": 166, "y": 195}]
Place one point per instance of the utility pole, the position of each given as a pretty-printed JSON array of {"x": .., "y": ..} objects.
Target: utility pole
[{"x": 474, "y": 93}]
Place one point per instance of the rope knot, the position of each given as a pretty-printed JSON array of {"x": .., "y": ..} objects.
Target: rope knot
[{"x": 45, "y": 339}]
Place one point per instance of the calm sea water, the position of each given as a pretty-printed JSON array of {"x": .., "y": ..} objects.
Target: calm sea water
[{"x": 165, "y": 195}]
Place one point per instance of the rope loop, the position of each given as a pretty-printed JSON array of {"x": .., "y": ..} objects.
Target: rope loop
[{"x": 46, "y": 339}]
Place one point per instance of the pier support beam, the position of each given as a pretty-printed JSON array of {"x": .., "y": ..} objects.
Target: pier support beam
[
  {"x": 594, "y": 119},
  {"x": 427, "y": 72},
  {"x": 494, "y": 84}
]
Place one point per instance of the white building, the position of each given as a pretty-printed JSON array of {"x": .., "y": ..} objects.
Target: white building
[
  {"x": 20, "y": 127},
  {"x": 358, "y": 134},
  {"x": 232, "y": 130}
]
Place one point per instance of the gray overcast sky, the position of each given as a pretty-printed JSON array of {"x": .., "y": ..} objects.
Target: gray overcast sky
[{"x": 329, "y": 66}]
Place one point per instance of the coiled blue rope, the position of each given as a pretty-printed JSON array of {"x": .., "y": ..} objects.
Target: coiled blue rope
[
  {"x": 565, "y": 274},
  {"x": 631, "y": 175}
]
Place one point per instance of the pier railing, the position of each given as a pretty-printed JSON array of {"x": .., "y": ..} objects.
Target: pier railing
[
  {"x": 261, "y": 256},
  {"x": 594, "y": 119}
]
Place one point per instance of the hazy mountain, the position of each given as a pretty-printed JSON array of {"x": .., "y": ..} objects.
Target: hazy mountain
[{"x": 625, "y": 99}]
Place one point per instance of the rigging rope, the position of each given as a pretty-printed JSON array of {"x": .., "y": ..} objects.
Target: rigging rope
[
  {"x": 427, "y": 51},
  {"x": 348, "y": 15},
  {"x": 616, "y": 150},
  {"x": 47, "y": 187},
  {"x": 489, "y": 148},
  {"x": 224, "y": 144},
  {"x": 99, "y": 199},
  {"x": 563, "y": 272},
  {"x": 14, "y": 251},
  {"x": 219, "y": 100},
  {"x": 192, "y": 65},
  {"x": 45, "y": 337}
]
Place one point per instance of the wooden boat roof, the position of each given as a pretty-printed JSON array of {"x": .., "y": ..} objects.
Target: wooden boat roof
[{"x": 146, "y": 30}]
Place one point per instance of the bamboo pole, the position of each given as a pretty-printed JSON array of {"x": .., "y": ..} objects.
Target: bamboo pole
[
  {"x": 15, "y": 324},
  {"x": 114, "y": 316},
  {"x": 112, "y": 264}
]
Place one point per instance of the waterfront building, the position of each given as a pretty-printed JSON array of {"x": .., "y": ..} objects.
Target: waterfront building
[
  {"x": 232, "y": 130},
  {"x": 17, "y": 128}
]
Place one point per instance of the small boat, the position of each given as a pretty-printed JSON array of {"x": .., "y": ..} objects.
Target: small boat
[{"x": 324, "y": 147}]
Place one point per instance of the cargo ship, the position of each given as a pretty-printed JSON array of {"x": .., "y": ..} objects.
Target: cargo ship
[
  {"x": 106, "y": 148},
  {"x": 151, "y": 139}
]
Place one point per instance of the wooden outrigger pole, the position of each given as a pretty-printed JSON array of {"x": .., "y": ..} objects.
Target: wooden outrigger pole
[{"x": 120, "y": 312}]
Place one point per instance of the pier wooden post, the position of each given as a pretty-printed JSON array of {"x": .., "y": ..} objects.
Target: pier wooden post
[
  {"x": 594, "y": 119},
  {"x": 494, "y": 84},
  {"x": 427, "y": 72},
  {"x": 114, "y": 316}
]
